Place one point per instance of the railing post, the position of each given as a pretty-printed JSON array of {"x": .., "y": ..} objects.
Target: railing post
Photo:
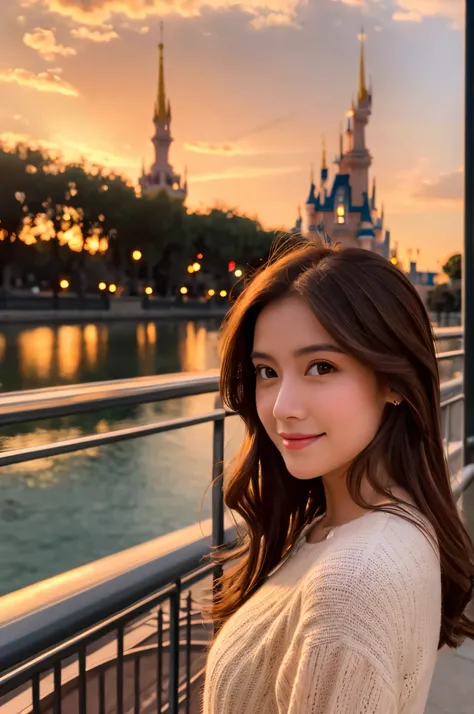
[
  {"x": 217, "y": 491},
  {"x": 175, "y": 602},
  {"x": 468, "y": 262}
]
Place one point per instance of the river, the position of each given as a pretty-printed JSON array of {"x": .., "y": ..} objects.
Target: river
[{"x": 59, "y": 513}]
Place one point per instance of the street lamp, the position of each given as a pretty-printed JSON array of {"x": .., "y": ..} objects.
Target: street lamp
[
  {"x": 183, "y": 290},
  {"x": 137, "y": 255},
  {"x": 148, "y": 291},
  {"x": 196, "y": 267},
  {"x": 112, "y": 288},
  {"x": 102, "y": 286},
  {"x": 238, "y": 273},
  {"x": 211, "y": 292},
  {"x": 64, "y": 284},
  {"x": 223, "y": 293},
  {"x": 190, "y": 269}
]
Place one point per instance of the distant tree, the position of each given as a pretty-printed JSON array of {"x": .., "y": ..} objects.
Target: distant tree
[
  {"x": 453, "y": 267},
  {"x": 443, "y": 299},
  {"x": 21, "y": 175}
]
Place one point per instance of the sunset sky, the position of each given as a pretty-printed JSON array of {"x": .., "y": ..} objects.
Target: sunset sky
[{"x": 253, "y": 85}]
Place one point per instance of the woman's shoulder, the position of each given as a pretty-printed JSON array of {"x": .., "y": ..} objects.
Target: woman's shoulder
[{"x": 384, "y": 556}]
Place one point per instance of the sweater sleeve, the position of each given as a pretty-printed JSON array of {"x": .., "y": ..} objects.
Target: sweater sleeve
[{"x": 334, "y": 678}]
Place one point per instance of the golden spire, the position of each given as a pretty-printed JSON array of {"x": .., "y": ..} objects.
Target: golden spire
[
  {"x": 324, "y": 163},
  {"x": 312, "y": 174},
  {"x": 161, "y": 104},
  {"x": 363, "y": 94}
]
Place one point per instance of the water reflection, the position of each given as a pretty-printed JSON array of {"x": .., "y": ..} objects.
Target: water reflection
[
  {"x": 63, "y": 354},
  {"x": 71, "y": 347},
  {"x": 35, "y": 356},
  {"x": 91, "y": 344}
]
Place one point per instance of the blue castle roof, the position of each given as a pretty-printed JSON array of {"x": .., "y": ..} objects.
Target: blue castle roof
[
  {"x": 311, "y": 197},
  {"x": 340, "y": 181},
  {"x": 366, "y": 233},
  {"x": 365, "y": 216}
]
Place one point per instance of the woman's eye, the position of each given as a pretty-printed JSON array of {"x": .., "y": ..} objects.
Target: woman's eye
[
  {"x": 264, "y": 372},
  {"x": 321, "y": 368}
]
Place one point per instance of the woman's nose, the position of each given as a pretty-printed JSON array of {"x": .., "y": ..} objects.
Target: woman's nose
[{"x": 289, "y": 402}]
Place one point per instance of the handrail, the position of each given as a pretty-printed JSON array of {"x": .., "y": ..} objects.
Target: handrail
[
  {"x": 467, "y": 477},
  {"x": 34, "y": 404},
  {"x": 50, "y": 611}
]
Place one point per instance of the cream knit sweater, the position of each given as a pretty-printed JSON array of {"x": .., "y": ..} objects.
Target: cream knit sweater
[{"x": 349, "y": 625}]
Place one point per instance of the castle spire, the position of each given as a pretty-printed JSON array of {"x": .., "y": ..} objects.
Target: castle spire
[
  {"x": 363, "y": 94},
  {"x": 324, "y": 165},
  {"x": 161, "y": 112}
]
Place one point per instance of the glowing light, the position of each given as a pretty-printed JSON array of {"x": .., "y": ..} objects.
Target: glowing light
[
  {"x": 102, "y": 286},
  {"x": 64, "y": 284},
  {"x": 149, "y": 291},
  {"x": 183, "y": 290},
  {"x": 112, "y": 288},
  {"x": 223, "y": 293},
  {"x": 211, "y": 292},
  {"x": 199, "y": 256},
  {"x": 238, "y": 273},
  {"x": 190, "y": 269},
  {"x": 136, "y": 255},
  {"x": 196, "y": 267},
  {"x": 394, "y": 261}
]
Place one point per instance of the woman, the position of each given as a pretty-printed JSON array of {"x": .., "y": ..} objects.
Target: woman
[{"x": 356, "y": 567}]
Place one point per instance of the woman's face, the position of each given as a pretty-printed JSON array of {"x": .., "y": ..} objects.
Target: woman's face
[{"x": 307, "y": 386}]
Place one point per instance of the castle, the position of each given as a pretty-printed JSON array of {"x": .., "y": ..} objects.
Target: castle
[
  {"x": 161, "y": 176},
  {"x": 346, "y": 213}
]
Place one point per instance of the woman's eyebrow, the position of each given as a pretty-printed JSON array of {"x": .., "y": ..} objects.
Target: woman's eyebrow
[{"x": 321, "y": 347}]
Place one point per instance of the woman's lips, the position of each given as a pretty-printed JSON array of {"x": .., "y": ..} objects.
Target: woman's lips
[{"x": 295, "y": 442}]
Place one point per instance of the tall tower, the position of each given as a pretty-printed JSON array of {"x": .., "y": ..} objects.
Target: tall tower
[
  {"x": 357, "y": 160},
  {"x": 162, "y": 176}
]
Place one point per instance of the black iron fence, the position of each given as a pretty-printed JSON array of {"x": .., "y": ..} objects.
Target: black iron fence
[{"x": 126, "y": 633}]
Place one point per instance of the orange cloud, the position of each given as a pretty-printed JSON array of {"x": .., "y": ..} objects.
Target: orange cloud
[
  {"x": 96, "y": 12},
  {"x": 246, "y": 173},
  {"x": 416, "y": 10},
  {"x": 447, "y": 188},
  {"x": 44, "y": 42},
  {"x": 99, "y": 35},
  {"x": 200, "y": 147},
  {"x": 70, "y": 150},
  {"x": 42, "y": 82}
]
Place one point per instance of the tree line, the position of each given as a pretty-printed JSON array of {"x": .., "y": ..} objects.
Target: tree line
[
  {"x": 446, "y": 298},
  {"x": 82, "y": 224}
]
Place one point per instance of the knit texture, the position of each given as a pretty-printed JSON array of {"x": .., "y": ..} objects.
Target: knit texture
[{"x": 349, "y": 625}]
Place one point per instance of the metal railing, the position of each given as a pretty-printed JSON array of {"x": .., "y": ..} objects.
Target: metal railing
[{"x": 127, "y": 630}]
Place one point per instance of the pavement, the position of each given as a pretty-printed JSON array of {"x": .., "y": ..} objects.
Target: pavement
[{"x": 452, "y": 688}]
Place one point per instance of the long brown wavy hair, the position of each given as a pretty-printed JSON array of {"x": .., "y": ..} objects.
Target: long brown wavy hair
[{"x": 375, "y": 314}]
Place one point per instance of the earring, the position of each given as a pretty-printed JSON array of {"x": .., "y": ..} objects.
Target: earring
[{"x": 396, "y": 403}]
